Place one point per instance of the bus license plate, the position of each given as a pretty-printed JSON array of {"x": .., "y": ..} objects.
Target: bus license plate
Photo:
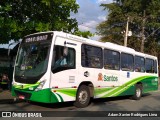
[{"x": 21, "y": 97}]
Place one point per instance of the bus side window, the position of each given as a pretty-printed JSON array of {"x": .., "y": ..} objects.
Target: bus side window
[
  {"x": 149, "y": 65},
  {"x": 92, "y": 56},
  {"x": 127, "y": 62},
  {"x": 63, "y": 59},
  {"x": 155, "y": 66},
  {"x": 71, "y": 57},
  {"x": 139, "y": 64},
  {"x": 111, "y": 59}
]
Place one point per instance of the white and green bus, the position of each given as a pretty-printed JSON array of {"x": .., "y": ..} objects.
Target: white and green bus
[{"x": 54, "y": 67}]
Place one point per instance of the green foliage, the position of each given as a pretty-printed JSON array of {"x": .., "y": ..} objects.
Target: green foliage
[
  {"x": 22, "y": 17},
  {"x": 85, "y": 34},
  {"x": 138, "y": 11}
]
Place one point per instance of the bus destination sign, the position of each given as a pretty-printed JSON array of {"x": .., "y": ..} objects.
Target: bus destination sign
[{"x": 37, "y": 38}]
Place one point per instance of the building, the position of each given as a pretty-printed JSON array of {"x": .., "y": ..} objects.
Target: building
[{"x": 7, "y": 60}]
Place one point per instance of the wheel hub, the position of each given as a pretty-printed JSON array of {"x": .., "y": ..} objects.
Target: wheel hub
[
  {"x": 138, "y": 92},
  {"x": 83, "y": 97}
]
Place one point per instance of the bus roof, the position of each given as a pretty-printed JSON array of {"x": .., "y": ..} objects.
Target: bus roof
[{"x": 107, "y": 45}]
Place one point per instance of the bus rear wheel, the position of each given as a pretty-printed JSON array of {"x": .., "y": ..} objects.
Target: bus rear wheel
[
  {"x": 138, "y": 92},
  {"x": 83, "y": 97}
]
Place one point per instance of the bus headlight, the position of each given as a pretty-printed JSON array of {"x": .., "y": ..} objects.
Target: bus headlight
[{"x": 40, "y": 86}]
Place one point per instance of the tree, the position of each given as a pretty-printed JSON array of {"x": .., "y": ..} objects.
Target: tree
[
  {"x": 85, "y": 34},
  {"x": 144, "y": 23},
  {"x": 22, "y": 17}
]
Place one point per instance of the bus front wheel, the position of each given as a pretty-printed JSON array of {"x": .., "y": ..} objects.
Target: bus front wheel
[
  {"x": 83, "y": 97},
  {"x": 138, "y": 92}
]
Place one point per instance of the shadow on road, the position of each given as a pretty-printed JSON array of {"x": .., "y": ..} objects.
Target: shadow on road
[
  {"x": 69, "y": 105},
  {"x": 99, "y": 101},
  {"x": 10, "y": 101},
  {"x": 110, "y": 99},
  {"x": 110, "y": 102}
]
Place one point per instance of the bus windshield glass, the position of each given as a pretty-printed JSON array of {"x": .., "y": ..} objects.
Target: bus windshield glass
[{"x": 32, "y": 59}]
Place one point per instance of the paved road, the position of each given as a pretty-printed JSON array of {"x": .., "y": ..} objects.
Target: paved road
[{"x": 149, "y": 102}]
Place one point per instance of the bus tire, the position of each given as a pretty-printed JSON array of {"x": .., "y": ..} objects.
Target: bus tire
[
  {"x": 82, "y": 97},
  {"x": 138, "y": 92}
]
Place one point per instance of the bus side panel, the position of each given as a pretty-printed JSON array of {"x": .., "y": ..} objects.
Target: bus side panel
[
  {"x": 105, "y": 82},
  {"x": 124, "y": 85},
  {"x": 150, "y": 84},
  {"x": 63, "y": 94},
  {"x": 64, "y": 83}
]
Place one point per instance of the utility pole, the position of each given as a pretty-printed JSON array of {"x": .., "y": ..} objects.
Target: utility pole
[
  {"x": 143, "y": 27},
  {"x": 126, "y": 33}
]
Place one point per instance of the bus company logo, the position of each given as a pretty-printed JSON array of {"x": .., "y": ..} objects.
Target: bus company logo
[{"x": 102, "y": 77}]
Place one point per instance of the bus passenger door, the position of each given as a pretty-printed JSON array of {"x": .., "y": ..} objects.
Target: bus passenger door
[{"x": 63, "y": 73}]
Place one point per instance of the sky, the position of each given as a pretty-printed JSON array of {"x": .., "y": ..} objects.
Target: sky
[{"x": 90, "y": 14}]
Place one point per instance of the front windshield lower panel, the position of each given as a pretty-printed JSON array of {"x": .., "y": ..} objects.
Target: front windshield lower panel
[{"x": 32, "y": 60}]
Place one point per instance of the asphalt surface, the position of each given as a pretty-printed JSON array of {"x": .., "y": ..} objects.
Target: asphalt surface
[{"x": 149, "y": 102}]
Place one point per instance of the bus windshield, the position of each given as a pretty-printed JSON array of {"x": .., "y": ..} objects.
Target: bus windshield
[{"x": 32, "y": 61}]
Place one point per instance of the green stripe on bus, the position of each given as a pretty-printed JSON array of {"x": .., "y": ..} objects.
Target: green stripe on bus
[
  {"x": 54, "y": 98},
  {"x": 60, "y": 97},
  {"x": 26, "y": 86},
  {"x": 110, "y": 92},
  {"x": 69, "y": 92},
  {"x": 126, "y": 86},
  {"x": 101, "y": 90}
]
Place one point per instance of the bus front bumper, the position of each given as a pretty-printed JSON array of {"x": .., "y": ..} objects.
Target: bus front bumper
[{"x": 43, "y": 96}]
